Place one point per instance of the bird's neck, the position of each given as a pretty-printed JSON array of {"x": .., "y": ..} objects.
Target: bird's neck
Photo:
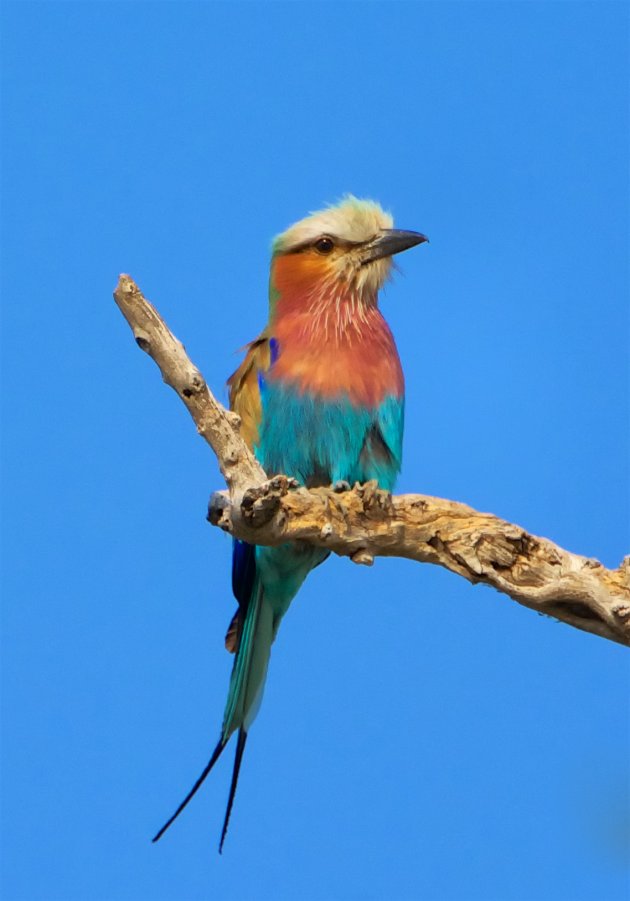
[{"x": 331, "y": 314}]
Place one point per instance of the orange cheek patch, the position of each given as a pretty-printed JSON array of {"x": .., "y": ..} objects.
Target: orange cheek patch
[{"x": 295, "y": 274}]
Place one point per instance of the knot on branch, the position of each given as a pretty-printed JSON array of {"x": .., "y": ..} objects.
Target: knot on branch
[
  {"x": 362, "y": 557},
  {"x": 503, "y": 551},
  {"x": 194, "y": 385},
  {"x": 234, "y": 419},
  {"x": 220, "y": 511},
  {"x": 142, "y": 340},
  {"x": 260, "y": 504}
]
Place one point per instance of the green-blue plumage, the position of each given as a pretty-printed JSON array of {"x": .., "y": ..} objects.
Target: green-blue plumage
[{"x": 320, "y": 441}]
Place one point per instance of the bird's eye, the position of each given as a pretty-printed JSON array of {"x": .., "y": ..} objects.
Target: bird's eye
[{"x": 324, "y": 245}]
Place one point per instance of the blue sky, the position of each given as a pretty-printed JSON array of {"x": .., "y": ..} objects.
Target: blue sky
[{"x": 419, "y": 738}]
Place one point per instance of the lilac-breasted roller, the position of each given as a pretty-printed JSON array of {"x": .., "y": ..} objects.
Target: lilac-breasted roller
[{"x": 320, "y": 394}]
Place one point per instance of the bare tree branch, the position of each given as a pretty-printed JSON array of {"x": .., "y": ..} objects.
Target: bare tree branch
[{"x": 364, "y": 522}]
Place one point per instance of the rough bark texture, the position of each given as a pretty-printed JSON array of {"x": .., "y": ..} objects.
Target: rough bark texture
[{"x": 364, "y": 522}]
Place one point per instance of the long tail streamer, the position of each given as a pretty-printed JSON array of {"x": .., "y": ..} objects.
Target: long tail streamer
[{"x": 193, "y": 791}]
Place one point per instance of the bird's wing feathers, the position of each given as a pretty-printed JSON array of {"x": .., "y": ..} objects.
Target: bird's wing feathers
[
  {"x": 245, "y": 400},
  {"x": 245, "y": 389}
]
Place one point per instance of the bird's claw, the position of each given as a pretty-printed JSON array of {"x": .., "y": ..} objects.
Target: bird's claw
[
  {"x": 373, "y": 496},
  {"x": 260, "y": 504},
  {"x": 281, "y": 484}
]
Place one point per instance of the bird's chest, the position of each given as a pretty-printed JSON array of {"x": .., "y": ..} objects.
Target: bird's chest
[{"x": 357, "y": 362}]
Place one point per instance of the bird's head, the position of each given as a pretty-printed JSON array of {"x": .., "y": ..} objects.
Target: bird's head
[{"x": 343, "y": 248}]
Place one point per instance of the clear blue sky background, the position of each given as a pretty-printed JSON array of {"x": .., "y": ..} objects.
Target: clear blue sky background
[{"x": 420, "y": 738}]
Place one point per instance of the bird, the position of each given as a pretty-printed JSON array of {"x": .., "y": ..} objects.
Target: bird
[{"x": 320, "y": 396}]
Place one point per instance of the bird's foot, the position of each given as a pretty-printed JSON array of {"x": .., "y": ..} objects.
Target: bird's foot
[
  {"x": 373, "y": 496},
  {"x": 279, "y": 484},
  {"x": 260, "y": 504}
]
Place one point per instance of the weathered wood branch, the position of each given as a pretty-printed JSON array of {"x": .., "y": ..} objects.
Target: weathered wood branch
[
  {"x": 364, "y": 522},
  {"x": 217, "y": 425}
]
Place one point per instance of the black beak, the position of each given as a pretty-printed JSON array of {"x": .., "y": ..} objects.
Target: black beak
[{"x": 389, "y": 242}]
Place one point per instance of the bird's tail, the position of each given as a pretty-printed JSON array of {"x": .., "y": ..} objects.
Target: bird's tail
[
  {"x": 245, "y": 694},
  {"x": 250, "y": 665}
]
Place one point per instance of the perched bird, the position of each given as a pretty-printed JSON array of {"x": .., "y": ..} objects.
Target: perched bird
[{"x": 320, "y": 395}]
